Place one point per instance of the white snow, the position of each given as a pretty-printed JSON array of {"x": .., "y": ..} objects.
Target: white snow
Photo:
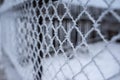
[
  {"x": 60, "y": 68},
  {"x": 8, "y": 4},
  {"x": 10, "y": 71},
  {"x": 9, "y": 49}
]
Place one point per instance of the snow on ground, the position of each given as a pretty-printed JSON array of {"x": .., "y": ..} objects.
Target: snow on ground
[
  {"x": 8, "y": 69},
  {"x": 60, "y": 68}
]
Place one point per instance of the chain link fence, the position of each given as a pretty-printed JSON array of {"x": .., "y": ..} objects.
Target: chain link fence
[{"x": 63, "y": 39}]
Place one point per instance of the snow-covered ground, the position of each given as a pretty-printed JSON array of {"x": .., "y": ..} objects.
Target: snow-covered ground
[
  {"x": 9, "y": 69},
  {"x": 61, "y": 68},
  {"x": 103, "y": 65}
]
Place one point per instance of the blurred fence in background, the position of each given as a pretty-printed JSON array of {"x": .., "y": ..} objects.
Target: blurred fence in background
[{"x": 64, "y": 39}]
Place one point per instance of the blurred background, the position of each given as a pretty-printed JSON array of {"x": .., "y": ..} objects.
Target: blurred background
[{"x": 87, "y": 30}]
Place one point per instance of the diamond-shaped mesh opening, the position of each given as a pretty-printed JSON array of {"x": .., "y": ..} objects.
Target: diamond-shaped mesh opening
[
  {"x": 75, "y": 37},
  {"x": 38, "y": 29},
  {"x": 107, "y": 18},
  {"x": 51, "y": 31},
  {"x": 67, "y": 23},
  {"x": 56, "y": 43},
  {"x": 37, "y": 11},
  {"x": 34, "y": 4},
  {"x": 47, "y": 20},
  {"x": 41, "y": 37},
  {"x": 43, "y": 10},
  {"x": 110, "y": 33},
  {"x": 40, "y": 3},
  {"x": 34, "y": 19},
  {"x": 40, "y": 20},
  {"x": 51, "y": 11},
  {"x": 35, "y": 35},
  {"x": 75, "y": 11},
  {"x": 61, "y": 10},
  {"x": 84, "y": 25},
  {"x": 48, "y": 40},
  {"x": 56, "y": 22},
  {"x": 61, "y": 32},
  {"x": 95, "y": 12},
  {"x": 44, "y": 29}
]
